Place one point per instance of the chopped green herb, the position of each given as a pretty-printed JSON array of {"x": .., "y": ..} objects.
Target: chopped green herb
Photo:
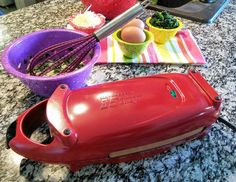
[{"x": 164, "y": 20}]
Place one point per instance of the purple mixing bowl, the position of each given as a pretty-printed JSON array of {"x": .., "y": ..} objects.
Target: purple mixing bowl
[{"x": 18, "y": 54}]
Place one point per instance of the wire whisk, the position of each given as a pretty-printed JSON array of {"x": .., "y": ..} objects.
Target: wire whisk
[{"x": 74, "y": 51}]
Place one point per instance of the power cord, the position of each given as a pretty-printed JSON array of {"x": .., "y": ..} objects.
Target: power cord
[{"x": 230, "y": 125}]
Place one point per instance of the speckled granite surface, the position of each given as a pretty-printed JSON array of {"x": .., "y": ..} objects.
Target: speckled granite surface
[{"x": 210, "y": 159}]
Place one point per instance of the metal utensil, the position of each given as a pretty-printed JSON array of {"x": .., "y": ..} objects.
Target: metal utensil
[{"x": 77, "y": 49}]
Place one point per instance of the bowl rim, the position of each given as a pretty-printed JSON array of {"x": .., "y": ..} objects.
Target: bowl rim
[
  {"x": 114, "y": 35},
  {"x": 163, "y": 29},
  {"x": 7, "y": 66}
]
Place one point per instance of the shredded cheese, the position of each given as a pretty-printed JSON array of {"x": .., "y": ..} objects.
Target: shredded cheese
[{"x": 87, "y": 19}]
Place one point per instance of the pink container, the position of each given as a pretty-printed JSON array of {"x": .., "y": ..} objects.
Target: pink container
[{"x": 88, "y": 30}]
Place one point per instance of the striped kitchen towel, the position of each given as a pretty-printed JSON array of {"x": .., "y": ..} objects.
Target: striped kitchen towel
[{"x": 181, "y": 49}]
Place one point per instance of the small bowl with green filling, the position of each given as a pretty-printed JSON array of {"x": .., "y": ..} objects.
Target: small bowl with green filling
[{"x": 163, "y": 26}]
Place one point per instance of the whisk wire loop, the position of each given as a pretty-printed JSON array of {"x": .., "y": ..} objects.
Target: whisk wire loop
[
  {"x": 39, "y": 60},
  {"x": 65, "y": 57},
  {"x": 84, "y": 52}
]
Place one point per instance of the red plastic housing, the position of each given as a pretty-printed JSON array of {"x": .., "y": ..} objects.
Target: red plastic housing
[{"x": 119, "y": 121}]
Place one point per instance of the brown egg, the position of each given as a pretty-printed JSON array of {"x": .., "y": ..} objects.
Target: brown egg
[
  {"x": 135, "y": 23},
  {"x": 133, "y": 35}
]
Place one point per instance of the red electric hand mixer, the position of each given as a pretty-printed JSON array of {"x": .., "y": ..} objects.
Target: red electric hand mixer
[
  {"x": 118, "y": 121},
  {"x": 80, "y": 47}
]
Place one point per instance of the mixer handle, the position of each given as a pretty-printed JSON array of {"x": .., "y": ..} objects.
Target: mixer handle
[
  {"x": 121, "y": 20},
  {"x": 19, "y": 132}
]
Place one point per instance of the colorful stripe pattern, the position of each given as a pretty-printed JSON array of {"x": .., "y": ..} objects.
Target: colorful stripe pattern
[{"x": 181, "y": 49}]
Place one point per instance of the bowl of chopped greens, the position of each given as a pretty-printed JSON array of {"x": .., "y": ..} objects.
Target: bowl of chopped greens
[
  {"x": 16, "y": 58},
  {"x": 163, "y": 26}
]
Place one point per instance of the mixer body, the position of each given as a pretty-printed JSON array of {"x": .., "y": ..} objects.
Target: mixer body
[{"x": 118, "y": 121}]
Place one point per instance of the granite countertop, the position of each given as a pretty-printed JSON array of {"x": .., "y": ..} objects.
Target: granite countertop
[{"x": 211, "y": 159}]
